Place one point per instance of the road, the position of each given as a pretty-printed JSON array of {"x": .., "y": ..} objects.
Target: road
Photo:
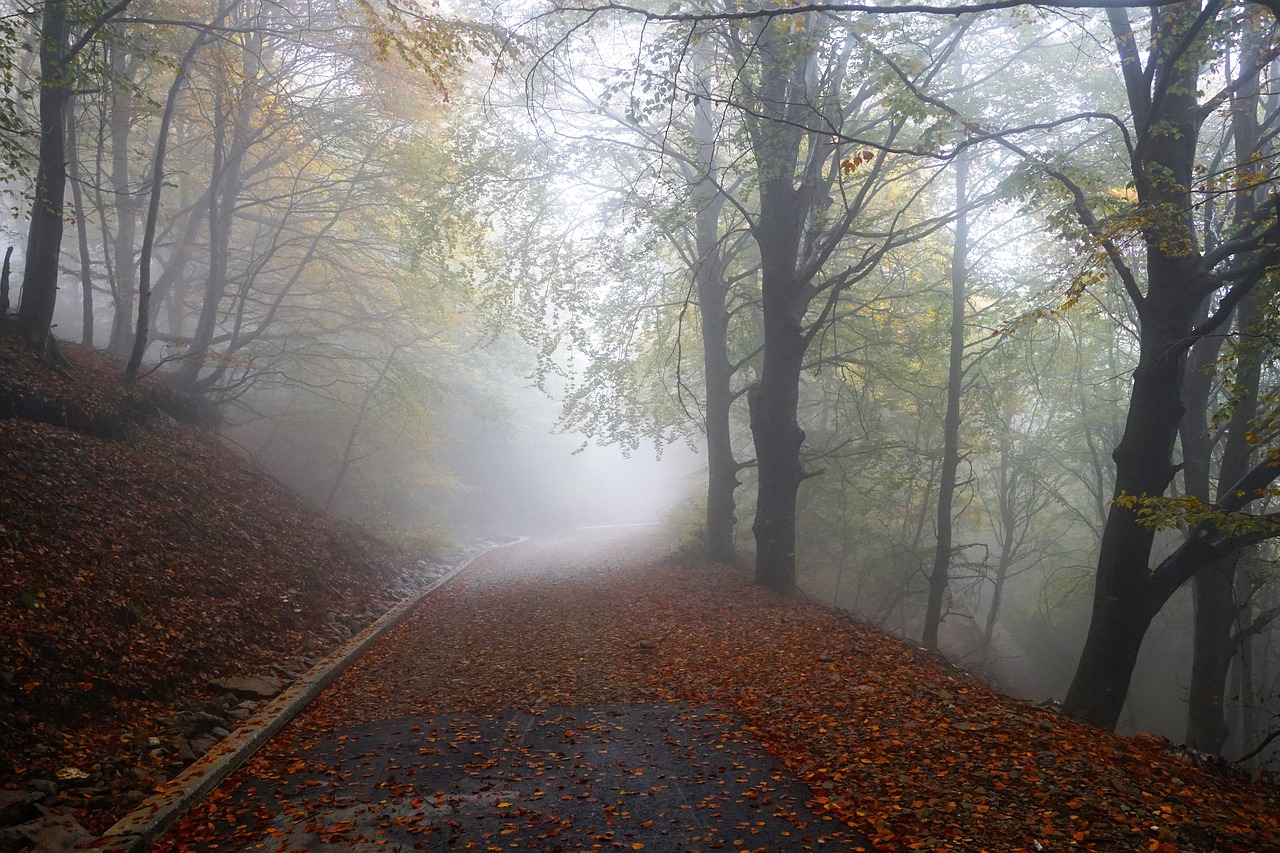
[{"x": 529, "y": 705}]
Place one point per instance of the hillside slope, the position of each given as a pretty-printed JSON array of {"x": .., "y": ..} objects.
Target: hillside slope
[{"x": 139, "y": 561}]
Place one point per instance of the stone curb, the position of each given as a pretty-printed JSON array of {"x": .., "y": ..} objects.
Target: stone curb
[{"x": 146, "y": 823}]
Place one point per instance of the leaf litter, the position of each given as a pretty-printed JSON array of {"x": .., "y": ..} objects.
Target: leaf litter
[{"x": 892, "y": 745}]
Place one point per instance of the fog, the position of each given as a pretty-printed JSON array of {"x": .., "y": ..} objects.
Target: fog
[{"x": 854, "y": 302}]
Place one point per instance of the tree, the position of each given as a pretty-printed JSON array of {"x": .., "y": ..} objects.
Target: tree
[
  {"x": 951, "y": 422},
  {"x": 804, "y": 105},
  {"x": 44, "y": 236},
  {"x": 1161, "y": 81}
]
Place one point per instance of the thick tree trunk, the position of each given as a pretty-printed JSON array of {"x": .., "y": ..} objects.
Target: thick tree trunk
[
  {"x": 1213, "y": 650},
  {"x": 775, "y": 430},
  {"x": 1126, "y": 595},
  {"x": 44, "y": 236},
  {"x": 774, "y": 401},
  {"x": 1124, "y": 599},
  {"x": 940, "y": 575}
]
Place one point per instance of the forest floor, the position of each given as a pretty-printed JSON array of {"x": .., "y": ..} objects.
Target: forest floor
[
  {"x": 141, "y": 565},
  {"x": 489, "y": 720}
]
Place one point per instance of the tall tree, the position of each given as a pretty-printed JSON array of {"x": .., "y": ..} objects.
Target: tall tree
[
  {"x": 804, "y": 105},
  {"x": 939, "y": 575},
  {"x": 58, "y": 53},
  {"x": 1162, "y": 79}
]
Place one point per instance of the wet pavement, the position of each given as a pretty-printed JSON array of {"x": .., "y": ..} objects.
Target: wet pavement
[
  {"x": 661, "y": 779},
  {"x": 653, "y": 776}
]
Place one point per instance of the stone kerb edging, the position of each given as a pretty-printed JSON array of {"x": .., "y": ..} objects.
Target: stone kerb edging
[{"x": 146, "y": 823}]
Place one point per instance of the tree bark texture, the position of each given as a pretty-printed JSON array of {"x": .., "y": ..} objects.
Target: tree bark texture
[{"x": 44, "y": 235}]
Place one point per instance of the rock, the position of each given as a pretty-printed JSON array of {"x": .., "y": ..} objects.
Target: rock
[
  {"x": 181, "y": 749},
  {"x": 825, "y": 657},
  {"x": 219, "y": 733},
  {"x": 17, "y": 806},
  {"x": 201, "y": 745},
  {"x": 249, "y": 686},
  {"x": 218, "y": 706},
  {"x": 44, "y": 786},
  {"x": 189, "y": 724},
  {"x": 647, "y": 646},
  {"x": 131, "y": 800},
  {"x": 239, "y": 713},
  {"x": 49, "y": 833}
]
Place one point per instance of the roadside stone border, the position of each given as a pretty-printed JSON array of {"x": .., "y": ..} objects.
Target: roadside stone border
[{"x": 150, "y": 820}]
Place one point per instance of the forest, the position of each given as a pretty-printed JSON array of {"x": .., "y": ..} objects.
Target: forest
[{"x": 958, "y": 317}]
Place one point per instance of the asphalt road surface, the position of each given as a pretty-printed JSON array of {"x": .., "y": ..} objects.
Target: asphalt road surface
[{"x": 414, "y": 749}]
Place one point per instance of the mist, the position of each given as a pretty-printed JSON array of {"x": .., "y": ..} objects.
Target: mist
[{"x": 878, "y": 309}]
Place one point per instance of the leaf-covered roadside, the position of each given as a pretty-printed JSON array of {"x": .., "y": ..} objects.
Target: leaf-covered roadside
[
  {"x": 134, "y": 569},
  {"x": 908, "y": 753}
]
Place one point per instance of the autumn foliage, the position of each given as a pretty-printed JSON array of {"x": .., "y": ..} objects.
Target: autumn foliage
[
  {"x": 138, "y": 559},
  {"x": 906, "y": 751}
]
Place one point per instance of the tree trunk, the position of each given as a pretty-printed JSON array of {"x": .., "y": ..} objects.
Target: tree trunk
[
  {"x": 44, "y": 235},
  {"x": 1247, "y": 676},
  {"x": 940, "y": 575},
  {"x": 1216, "y": 608},
  {"x": 1206, "y": 730},
  {"x": 4, "y": 284},
  {"x": 722, "y": 468},
  {"x": 776, "y": 433},
  {"x": 1213, "y": 649},
  {"x": 1009, "y": 475},
  {"x": 229, "y": 154},
  {"x": 82, "y": 231},
  {"x": 120, "y": 124},
  {"x": 142, "y": 332},
  {"x": 1126, "y": 596},
  {"x": 709, "y": 277},
  {"x": 774, "y": 401}
]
